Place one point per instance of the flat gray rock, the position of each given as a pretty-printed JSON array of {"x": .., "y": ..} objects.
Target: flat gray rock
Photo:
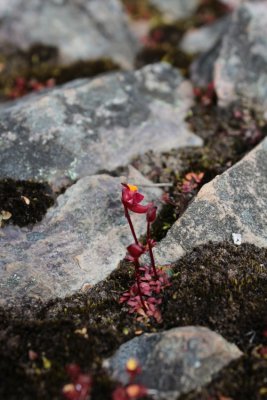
[
  {"x": 92, "y": 125},
  {"x": 203, "y": 39},
  {"x": 241, "y": 69},
  {"x": 237, "y": 3},
  {"x": 175, "y": 361},
  {"x": 176, "y": 9},
  {"x": 78, "y": 29},
  {"x": 80, "y": 241},
  {"x": 233, "y": 203}
]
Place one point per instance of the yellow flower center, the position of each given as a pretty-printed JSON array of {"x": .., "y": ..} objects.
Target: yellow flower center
[
  {"x": 132, "y": 364},
  {"x": 132, "y": 188}
]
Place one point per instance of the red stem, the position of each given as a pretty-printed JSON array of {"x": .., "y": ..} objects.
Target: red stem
[
  {"x": 137, "y": 277},
  {"x": 127, "y": 215},
  {"x": 151, "y": 251}
]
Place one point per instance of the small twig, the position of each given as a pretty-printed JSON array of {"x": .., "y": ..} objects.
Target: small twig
[
  {"x": 152, "y": 260},
  {"x": 154, "y": 185}
]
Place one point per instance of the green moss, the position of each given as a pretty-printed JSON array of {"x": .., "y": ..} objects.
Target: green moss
[
  {"x": 41, "y": 63},
  {"x": 164, "y": 53},
  {"x": 210, "y": 287}
]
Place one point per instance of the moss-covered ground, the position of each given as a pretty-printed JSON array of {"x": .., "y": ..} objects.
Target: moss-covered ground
[
  {"x": 219, "y": 286},
  {"x": 23, "y": 71}
]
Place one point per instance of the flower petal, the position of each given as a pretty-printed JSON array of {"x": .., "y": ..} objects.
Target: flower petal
[{"x": 138, "y": 208}]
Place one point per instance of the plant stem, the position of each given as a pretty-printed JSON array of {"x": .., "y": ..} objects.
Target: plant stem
[
  {"x": 151, "y": 251},
  {"x": 137, "y": 277},
  {"x": 127, "y": 215}
]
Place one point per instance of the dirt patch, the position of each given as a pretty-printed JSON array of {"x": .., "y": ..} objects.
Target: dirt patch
[
  {"x": 24, "y": 202},
  {"x": 231, "y": 300}
]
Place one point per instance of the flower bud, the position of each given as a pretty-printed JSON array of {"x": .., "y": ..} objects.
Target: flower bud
[
  {"x": 135, "y": 250},
  {"x": 151, "y": 214}
]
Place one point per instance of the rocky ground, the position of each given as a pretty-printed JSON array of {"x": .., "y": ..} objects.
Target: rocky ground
[{"x": 167, "y": 95}]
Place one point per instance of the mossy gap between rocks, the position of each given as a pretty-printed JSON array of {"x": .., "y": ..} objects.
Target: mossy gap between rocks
[
  {"x": 220, "y": 286},
  {"x": 164, "y": 37},
  {"x": 41, "y": 63},
  {"x": 228, "y": 136},
  {"x": 207, "y": 11},
  {"x": 140, "y": 9}
]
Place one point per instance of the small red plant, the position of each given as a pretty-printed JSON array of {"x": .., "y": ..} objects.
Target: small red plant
[
  {"x": 80, "y": 386},
  {"x": 143, "y": 296},
  {"x": 260, "y": 351},
  {"x": 205, "y": 96},
  {"x": 132, "y": 391},
  {"x": 22, "y": 87},
  {"x": 191, "y": 181}
]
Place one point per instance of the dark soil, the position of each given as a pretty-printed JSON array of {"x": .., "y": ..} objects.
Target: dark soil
[
  {"x": 26, "y": 202},
  {"x": 219, "y": 286}
]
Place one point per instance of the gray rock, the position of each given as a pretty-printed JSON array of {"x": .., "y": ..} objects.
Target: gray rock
[
  {"x": 202, "y": 69},
  {"x": 79, "y": 242},
  {"x": 78, "y": 29},
  {"x": 207, "y": 40},
  {"x": 237, "y": 3},
  {"x": 175, "y": 361},
  {"x": 204, "y": 39},
  {"x": 234, "y": 202},
  {"x": 176, "y": 9},
  {"x": 232, "y": 3},
  {"x": 92, "y": 125},
  {"x": 241, "y": 69}
]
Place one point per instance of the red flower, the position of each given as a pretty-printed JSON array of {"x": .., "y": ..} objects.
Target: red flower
[
  {"x": 133, "y": 368},
  {"x": 81, "y": 385},
  {"x": 131, "y": 199},
  {"x": 120, "y": 394},
  {"x": 136, "y": 391},
  {"x": 135, "y": 251}
]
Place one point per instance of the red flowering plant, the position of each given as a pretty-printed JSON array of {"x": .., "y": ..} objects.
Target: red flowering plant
[
  {"x": 132, "y": 391},
  {"x": 143, "y": 297},
  {"x": 23, "y": 86},
  {"x": 205, "y": 96},
  {"x": 80, "y": 386}
]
